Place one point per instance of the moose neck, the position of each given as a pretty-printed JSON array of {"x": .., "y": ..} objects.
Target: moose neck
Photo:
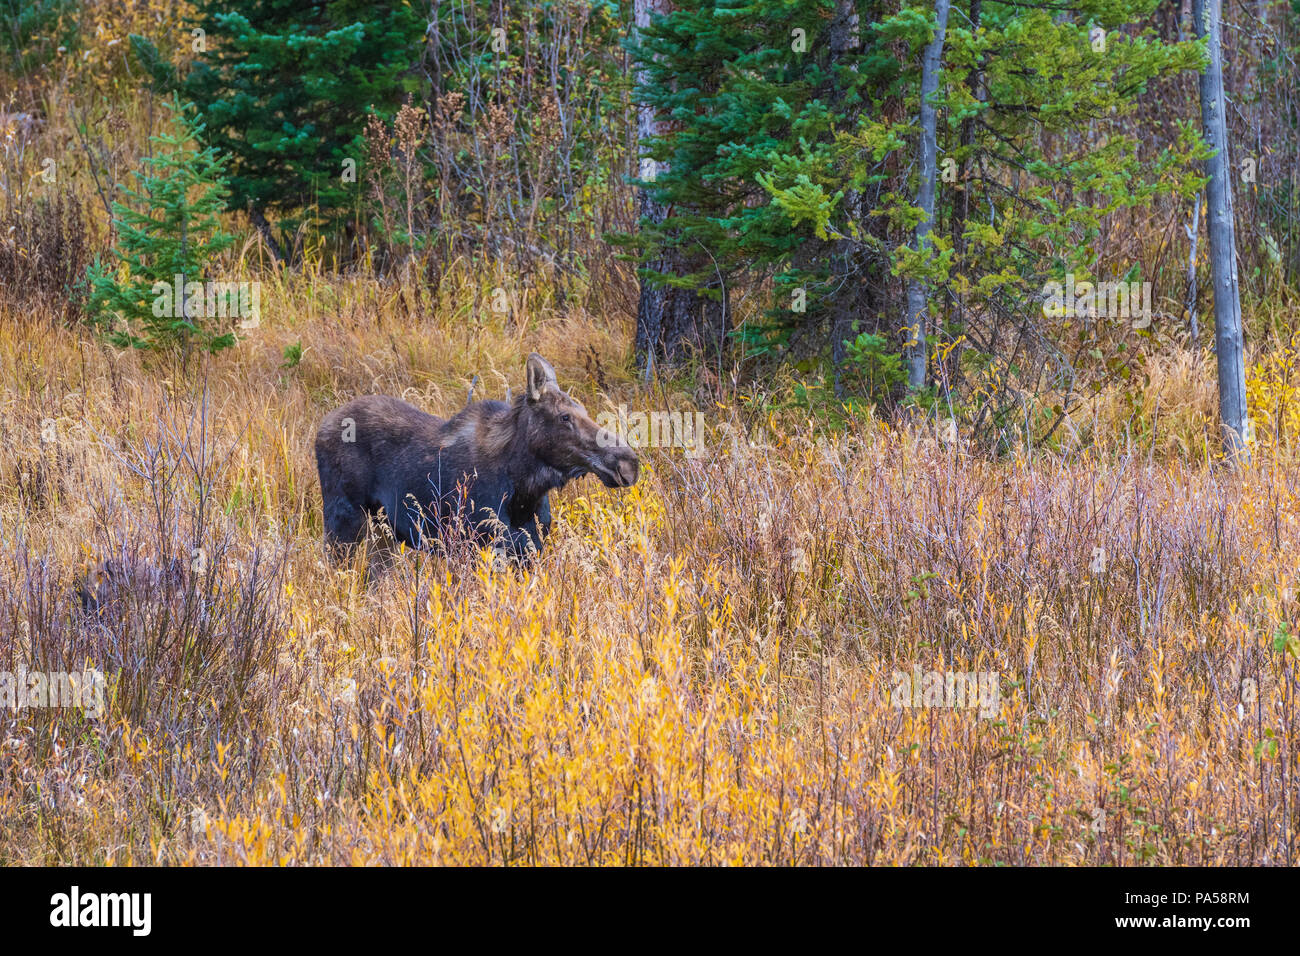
[{"x": 530, "y": 477}]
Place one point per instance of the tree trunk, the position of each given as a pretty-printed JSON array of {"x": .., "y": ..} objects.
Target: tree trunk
[
  {"x": 1193, "y": 231},
  {"x": 961, "y": 205},
  {"x": 917, "y": 354},
  {"x": 669, "y": 321},
  {"x": 256, "y": 217},
  {"x": 672, "y": 322},
  {"x": 961, "y": 210},
  {"x": 845, "y": 253},
  {"x": 1220, "y": 225}
]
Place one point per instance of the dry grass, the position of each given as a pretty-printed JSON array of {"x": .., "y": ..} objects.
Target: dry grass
[{"x": 700, "y": 669}]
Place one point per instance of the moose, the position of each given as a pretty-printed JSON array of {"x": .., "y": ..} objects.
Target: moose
[{"x": 488, "y": 469}]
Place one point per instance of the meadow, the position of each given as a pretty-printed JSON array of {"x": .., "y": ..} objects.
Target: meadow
[{"x": 703, "y": 668}]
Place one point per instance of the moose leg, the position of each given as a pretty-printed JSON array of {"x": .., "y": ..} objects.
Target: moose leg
[
  {"x": 344, "y": 522},
  {"x": 542, "y": 520},
  {"x": 538, "y": 526},
  {"x": 525, "y": 543},
  {"x": 514, "y": 542},
  {"x": 409, "y": 524}
]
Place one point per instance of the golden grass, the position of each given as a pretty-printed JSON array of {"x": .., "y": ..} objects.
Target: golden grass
[{"x": 699, "y": 670}]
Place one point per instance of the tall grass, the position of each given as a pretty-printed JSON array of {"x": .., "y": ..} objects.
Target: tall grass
[{"x": 700, "y": 669}]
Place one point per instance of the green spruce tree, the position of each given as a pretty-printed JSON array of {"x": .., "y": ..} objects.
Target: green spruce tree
[
  {"x": 284, "y": 87},
  {"x": 168, "y": 233}
]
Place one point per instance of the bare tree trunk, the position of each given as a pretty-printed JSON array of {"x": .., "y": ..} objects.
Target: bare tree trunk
[
  {"x": 653, "y": 302},
  {"x": 961, "y": 210},
  {"x": 1193, "y": 233},
  {"x": 845, "y": 37},
  {"x": 1207, "y": 21},
  {"x": 669, "y": 321},
  {"x": 263, "y": 227},
  {"x": 916, "y": 292},
  {"x": 845, "y": 30}
]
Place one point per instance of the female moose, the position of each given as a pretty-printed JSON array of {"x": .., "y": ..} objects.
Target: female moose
[{"x": 490, "y": 466}]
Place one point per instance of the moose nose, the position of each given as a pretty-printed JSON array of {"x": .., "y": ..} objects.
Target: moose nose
[{"x": 627, "y": 469}]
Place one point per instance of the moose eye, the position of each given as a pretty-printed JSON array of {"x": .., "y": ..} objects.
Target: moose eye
[{"x": 566, "y": 418}]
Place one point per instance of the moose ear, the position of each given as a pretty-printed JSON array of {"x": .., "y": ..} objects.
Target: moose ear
[{"x": 540, "y": 377}]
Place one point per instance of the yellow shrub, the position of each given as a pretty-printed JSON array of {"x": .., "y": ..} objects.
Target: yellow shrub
[{"x": 1273, "y": 397}]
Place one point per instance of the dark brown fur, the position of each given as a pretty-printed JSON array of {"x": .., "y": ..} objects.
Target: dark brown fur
[{"x": 490, "y": 467}]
